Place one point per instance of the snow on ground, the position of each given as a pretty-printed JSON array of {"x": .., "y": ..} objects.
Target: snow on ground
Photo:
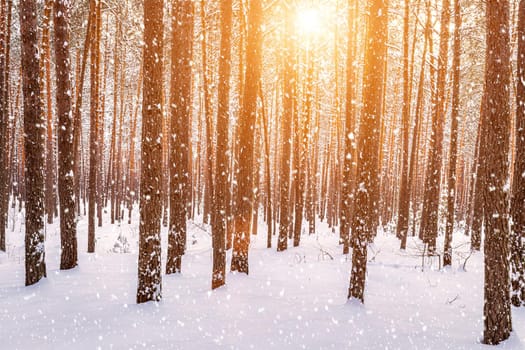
[{"x": 290, "y": 300}]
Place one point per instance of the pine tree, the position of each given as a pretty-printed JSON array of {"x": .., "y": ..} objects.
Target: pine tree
[
  {"x": 4, "y": 117},
  {"x": 66, "y": 156},
  {"x": 430, "y": 224},
  {"x": 93, "y": 125},
  {"x": 149, "y": 269},
  {"x": 221, "y": 167},
  {"x": 247, "y": 119},
  {"x": 33, "y": 144},
  {"x": 496, "y": 310},
  {"x": 517, "y": 237},
  {"x": 404, "y": 191},
  {"x": 453, "y": 153},
  {"x": 286, "y": 125},
  {"x": 180, "y": 104},
  {"x": 363, "y": 221}
]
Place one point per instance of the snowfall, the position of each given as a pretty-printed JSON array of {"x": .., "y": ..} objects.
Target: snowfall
[{"x": 295, "y": 299}]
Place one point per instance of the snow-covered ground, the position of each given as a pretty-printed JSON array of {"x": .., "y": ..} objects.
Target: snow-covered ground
[{"x": 290, "y": 300}]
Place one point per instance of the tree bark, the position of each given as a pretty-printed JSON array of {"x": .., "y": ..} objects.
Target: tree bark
[
  {"x": 433, "y": 178},
  {"x": 286, "y": 126},
  {"x": 453, "y": 153},
  {"x": 220, "y": 203},
  {"x": 247, "y": 120},
  {"x": 34, "y": 145},
  {"x": 149, "y": 265},
  {"x": 180, "y": 104},
  {"x": 497, "y": 310},
  {"x": 66, "y": 157},
  {"x": 93, "y": 128},
  {"x": 363, "y": 222},
  {"x": 517, "y": 238}
]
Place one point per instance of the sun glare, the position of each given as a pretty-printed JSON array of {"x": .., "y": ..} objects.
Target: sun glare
[{"x": 308, "y": 21}]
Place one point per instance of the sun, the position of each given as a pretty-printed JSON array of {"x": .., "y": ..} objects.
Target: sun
[{"x": 308, "y": 21}]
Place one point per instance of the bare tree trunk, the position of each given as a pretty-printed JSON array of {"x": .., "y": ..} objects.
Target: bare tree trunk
[
  {"x": 433, "y": 178},
  {"x": 34, "y": 145},
  {"x": 286, "y": 126},
  {"x": 268, "y": 208},
  {"x": 247, "y": 119},
  {"x": 517, "y": 237},
  {"x": 180, "y": 104},
  {"x": 363, "y": 222},
  {"x": 4, "y": 118},
  {"x": 404, "y": 191},
  {"x": 451, "y": 187},
  {"x": 149, "y": 265},
  {"x": 77, "y": 113},
  {"x": 66, "y": 157},
  {"x": 208, "y": 176},
  {"x": 48, "y": 108},
  {"x": 219, "y": 218},
  {"x": 93, "y": 132},
  {"x": 347, "y": 189},
  {"x": 497, "y": 310}
]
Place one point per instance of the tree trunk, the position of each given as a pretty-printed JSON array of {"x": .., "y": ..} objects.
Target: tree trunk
[
  {"x": 433, "y": 177},
  {"x": 180, "y": 104},
  {"x": 347, "y": 182},
  {"x": 34, "y": 145},
  {"x": 517, "y": 238},
  {"x": 208, "y": 176},
  {"x": 363, "y": 222},
  {"x": 221, "y": 153},
  {"x": 404, "y": 191},
  {"x": 66, "y": 157},
  {"x": 497, "y": 310},
  {"x": 286, "y": 126},
  {"x": 451, "y": 187},
  {"x": 45, "y": 72},
  {"x": 93, "y": 129},
  {"x": 4, "y": 118},
  {"x": 149, "y": 267},
  {"x": 247, "y": 120}
]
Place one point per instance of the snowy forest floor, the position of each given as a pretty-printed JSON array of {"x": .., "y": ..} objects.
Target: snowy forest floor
[{"x": 291, "y": 300}]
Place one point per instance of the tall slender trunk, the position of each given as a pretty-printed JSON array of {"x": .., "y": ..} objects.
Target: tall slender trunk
[
  {"x": 497, "y": 303},
  {"x": 149, "y": 264},
  {"x": 68, "y": 238},
  {"x": 45, "y": 62},
  {"x": 247, "y": 121},
  {"x": 35, "y": 265},
  {"x": 286, "y": 126},
  {"x": 453, "y": 153},
  {"x": 208, "y": 176},
  {"x": 364, "y": 219},
  {"x": 93, "y": 128},
  {"x": 434, "y": 165},
  {"x": 180, "y": 104},
  {"x": 4, "y": 117},
  {"x": 404, "y": 197},
  {"x": 517, "y": 238},
  {"x": 220, "y": 203},
  {"x": 347, "y": 182}
]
